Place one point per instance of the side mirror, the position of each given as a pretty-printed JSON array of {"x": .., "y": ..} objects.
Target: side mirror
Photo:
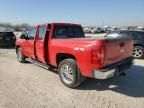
[{"x": 24, "y": 36}]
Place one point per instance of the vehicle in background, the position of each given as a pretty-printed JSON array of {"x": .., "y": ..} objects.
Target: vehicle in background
[
  {"x": 138, "y": 37},
  {"x": 7, "y": 39},
  {"x": 97, "y": 30},
  {"x": 65, "y": 47},
  {"x": 105, "y": 29},
  {"x": 87, "y": 30},
  {"x": 17, "y": 34}
]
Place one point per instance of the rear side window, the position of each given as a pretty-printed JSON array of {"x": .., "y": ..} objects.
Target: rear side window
[
  {"x": 32, "y": 33},
  {"x": 141, "y": 34},
  {"x": 125, "y": 34},
  {"x": 136, "y": 36},
  {"x": 68, "y": 32},
  {"x": 41, "y": 32}
]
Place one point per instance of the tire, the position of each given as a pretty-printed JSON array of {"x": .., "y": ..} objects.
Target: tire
[
  {"x": 69, "y": 78},
  {"x": 138, "y": 52},
  {"x": 21, "y": 58}
]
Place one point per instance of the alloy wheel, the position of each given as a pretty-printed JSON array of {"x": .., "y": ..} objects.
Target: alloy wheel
[
  {"x": 66, "y": 73},
  {"x": 137, "y": 52}
]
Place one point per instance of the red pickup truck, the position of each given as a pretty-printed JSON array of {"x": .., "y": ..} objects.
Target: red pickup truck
[{"x": 76, "y": 57}]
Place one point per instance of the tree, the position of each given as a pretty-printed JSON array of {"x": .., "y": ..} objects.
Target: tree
[{"x": 17, "y": 27}]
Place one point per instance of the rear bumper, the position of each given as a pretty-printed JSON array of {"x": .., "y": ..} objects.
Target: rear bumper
[{"x": 113, "y": 70}]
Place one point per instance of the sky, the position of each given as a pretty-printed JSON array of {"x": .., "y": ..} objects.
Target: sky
[{"x": 85, "y": 12}]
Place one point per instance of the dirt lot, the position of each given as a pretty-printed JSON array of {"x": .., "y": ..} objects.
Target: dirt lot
[{"x": 30, "y": 86}]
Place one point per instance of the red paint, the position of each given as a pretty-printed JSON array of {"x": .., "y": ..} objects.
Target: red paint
[{"x": 90, "y": 54}]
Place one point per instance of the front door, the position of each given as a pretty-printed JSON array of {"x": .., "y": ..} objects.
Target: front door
[
  {"x": 28, "y": 45},
  {"x": 41, "y": 48}
]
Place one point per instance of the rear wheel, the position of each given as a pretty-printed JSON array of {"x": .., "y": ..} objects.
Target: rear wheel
[
  {"x": 68, "y": 73},
  {"x": 138, "y": 52},
  {"x": 20, "y": 56}
]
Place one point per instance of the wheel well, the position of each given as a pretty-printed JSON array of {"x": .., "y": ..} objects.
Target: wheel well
[{"x": 62, "y": 56}]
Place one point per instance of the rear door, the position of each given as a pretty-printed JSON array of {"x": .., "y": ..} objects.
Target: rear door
[
  {"x": 28, "y": 45},
  {"x": 40, "y": 45}
]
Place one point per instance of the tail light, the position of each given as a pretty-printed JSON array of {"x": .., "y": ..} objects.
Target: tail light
[{"x": 97, "y": 56}]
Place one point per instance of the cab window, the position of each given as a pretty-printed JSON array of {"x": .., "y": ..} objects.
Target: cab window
[{"x": 68, "y": 32}]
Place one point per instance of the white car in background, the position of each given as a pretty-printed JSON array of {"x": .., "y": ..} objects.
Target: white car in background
[
  {"x": 87, "y": 30},
  {"x": 17, "y": 34},
  {"x": 97, "y": 30}
]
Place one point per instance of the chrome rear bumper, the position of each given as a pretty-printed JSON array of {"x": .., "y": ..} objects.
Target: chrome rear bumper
[{"x": 113, "y": 70}]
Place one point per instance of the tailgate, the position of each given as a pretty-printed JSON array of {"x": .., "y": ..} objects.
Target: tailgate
[{"x": 117, "y": 50}]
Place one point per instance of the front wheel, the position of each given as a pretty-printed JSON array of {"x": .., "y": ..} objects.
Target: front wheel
[
  {"x": 68, "y": 73},
  {"x": 138, "y": 52},
  {"x": 20, "y": 56}
]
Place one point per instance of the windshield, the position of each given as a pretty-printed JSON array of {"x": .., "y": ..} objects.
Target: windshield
[{"x": 68, "y": 32}]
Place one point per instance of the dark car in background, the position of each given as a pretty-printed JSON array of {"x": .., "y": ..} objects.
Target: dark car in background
[
  {"x": 7, "y": 39},
  {"x": 138, "y": 40}
]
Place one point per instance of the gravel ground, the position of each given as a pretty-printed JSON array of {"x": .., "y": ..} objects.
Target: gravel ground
[{"x": 30, "y": 86}]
